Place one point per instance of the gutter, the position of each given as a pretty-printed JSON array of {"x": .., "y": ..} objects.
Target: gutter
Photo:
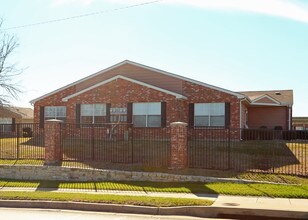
[{"x": 241, "y": 119}]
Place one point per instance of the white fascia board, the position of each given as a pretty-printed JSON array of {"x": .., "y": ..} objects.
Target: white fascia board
[
  {"x": 178, "y": 96},
  {"x": 266, "y": 96}
]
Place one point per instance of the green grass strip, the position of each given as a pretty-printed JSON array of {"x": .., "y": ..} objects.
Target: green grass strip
[
  {"x": 270, "y": 190},
  {"x": 22, "y": 162},
  {"x": 107, "y": 199},
  {"x": 255, "y": 189}
]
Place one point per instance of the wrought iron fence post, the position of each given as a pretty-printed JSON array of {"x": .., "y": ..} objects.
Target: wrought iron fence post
[
  {"x": 18, "y": 141},
  {"x": 305, "y": 153},
  {"x": 131, "y": 140},
  {"x": 229, "y": 149},
  {"x": 92, "y": 142},
  {"x": 188, "y": 147},
  {"x": 276, "y": 139},
  {"x": 61, "y": 140}
]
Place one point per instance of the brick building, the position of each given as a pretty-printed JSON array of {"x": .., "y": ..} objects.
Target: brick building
[{"x": 129, "y": 92}]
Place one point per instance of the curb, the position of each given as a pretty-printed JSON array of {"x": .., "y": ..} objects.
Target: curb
[{"x": 195, "y": 211}]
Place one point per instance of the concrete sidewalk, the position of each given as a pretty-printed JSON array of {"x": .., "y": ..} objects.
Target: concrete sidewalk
[
  {"x": 246, "y": 202},
  {"x": 252, "y": 205}
]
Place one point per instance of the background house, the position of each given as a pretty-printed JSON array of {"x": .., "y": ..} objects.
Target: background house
[
  {"x": 269, "y": 109},
  {"x": 129, "y": 92},
  {"x": 10, "y": 115}
]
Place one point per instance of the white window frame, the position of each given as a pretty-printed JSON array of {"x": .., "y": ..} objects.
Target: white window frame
[
  {"x": 93, "y": 114},
  {"x": 147, "y": 112},
  {"x": 208, "y": 113},
  {"x": 55, "y": 116},
  {"x": 300, "y": 128}
]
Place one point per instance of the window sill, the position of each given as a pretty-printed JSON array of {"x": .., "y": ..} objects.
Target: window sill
[{"x": 210, "y": 127}]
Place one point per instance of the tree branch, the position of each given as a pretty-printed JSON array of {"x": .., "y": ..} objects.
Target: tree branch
[{"x": 8, "y": 71}]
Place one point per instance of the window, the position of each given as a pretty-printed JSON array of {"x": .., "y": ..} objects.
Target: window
[
  {"x": 147, "y": 114},
  {"x": 118, "y": 118},
  {"x": 6, "y": 124},
  {"x": 6, "y": 121},
  {"x": 299, "y": 128},
  {"x": 118, "y": 115},
  {"x": 55, "y": 112},
  {"x": 93, "y": 113},
  {"x": 209, "y": 114}
]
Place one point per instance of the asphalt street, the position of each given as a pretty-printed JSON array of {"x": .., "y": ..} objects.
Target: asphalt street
[{"x": 39, "y": 214}]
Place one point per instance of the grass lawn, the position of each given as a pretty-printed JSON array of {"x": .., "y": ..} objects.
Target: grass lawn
[
  {"x": 22, "y": 162},
  {"x": 271, "y": 190},
  {"x": 289, "y": 157},
  {"x": 109, "y": 199},
  {"x": 156, "y": 153},
  {"x": 24, "y": 148}
]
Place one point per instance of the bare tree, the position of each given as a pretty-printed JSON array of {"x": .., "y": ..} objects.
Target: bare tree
[{"x": 8, "y": 71}]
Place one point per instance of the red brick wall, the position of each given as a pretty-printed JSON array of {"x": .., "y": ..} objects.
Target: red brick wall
[
  {"x": 119, "y": 92},
  {"x": 200, "y": 94},
  {"x": 179, "y": 148},
  {"x": 52, "y": 143},
  {"x": 52, "y": 100}
]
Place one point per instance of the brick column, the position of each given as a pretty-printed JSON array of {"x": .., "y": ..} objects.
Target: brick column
[
  {"x": 178, "y": 145},
  {"x": 52, "y": 133}
]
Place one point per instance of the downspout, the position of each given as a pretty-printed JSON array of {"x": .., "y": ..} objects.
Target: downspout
[
  {"x": 289, "y": 118},
  {"x": 241, "y": 113},
  {"x": 241, "y": 118}
]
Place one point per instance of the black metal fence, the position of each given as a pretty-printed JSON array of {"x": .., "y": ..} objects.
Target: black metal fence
[
  {"x": 115, "y": 143},
  {"x": 21, "y": 141},
  {"x": 268, "y": 151}
]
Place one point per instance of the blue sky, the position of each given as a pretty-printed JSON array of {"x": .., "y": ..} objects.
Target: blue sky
[{"x": 234, "y": 44}]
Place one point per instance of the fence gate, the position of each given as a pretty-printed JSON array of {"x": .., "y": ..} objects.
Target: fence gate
[{"x": 21, "y": 141}]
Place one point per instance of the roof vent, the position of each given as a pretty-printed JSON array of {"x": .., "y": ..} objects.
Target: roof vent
[{"x": 277, "y": 93}]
